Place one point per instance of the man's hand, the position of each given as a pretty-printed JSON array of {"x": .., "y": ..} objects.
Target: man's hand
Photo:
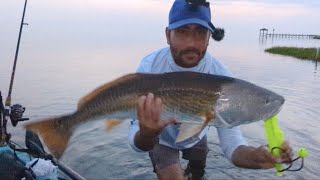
[
  {"x": 149, "y": 111},
  {"x": 261, "y": 157}
]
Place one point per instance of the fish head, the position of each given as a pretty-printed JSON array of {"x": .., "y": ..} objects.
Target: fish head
[{"x": 241, "y": 102}]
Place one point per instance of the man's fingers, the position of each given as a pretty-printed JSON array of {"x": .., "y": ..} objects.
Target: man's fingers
[
  {"x": 141, "y": 102},
  {"x": 286, "y": 157},
  {"x": 158, "y": 102},
  {"x": 157, "y": 109},
  {"x": 267, "y": 156},
  {"x": 149, "y": 106},
  {"x": 149, "y": 100},
  {"x": 286, "y": 154},
  {"x": 266, "y": 159}
]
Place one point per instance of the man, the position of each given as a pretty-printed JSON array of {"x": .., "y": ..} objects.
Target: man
[{"x": 188, "y": 36}]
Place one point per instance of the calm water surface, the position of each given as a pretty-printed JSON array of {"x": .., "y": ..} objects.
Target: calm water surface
[{"x": 71, "y": 47}]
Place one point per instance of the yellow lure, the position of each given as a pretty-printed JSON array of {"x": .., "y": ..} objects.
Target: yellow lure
[{"x": 275, "y": 139}]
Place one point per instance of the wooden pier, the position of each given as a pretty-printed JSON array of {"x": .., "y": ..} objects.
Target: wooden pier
[
  {"x": 310, "y": 36},
  {"x": 264, "y": 33}
]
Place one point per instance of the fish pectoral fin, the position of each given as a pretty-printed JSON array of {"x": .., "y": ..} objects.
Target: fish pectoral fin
[
  {"x": 110, "y": 124},
  {"x": 188, "y": 130}
]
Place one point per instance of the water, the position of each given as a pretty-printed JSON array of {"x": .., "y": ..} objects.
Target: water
[{"x": 71, "y": 47}]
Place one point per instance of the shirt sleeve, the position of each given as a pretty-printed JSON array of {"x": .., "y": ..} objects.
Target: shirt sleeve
[
  {"x": 230, "y": 139},
  {"x": 134, "y": 128}
]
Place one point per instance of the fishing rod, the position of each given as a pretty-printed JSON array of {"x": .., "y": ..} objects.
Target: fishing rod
[
  {"x": 16, "y": 111},
  {"x": 2, "y": 126},
  {"x": 8, "y": 100}
]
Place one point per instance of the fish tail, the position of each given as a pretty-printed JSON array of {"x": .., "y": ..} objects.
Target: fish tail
[{"x": 55, "y": 132}]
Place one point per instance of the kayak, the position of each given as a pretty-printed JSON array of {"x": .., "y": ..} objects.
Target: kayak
[{"x": 32, "y": 162}]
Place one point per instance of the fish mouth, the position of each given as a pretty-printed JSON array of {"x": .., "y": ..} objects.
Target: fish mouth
[{"x": 276, "y": 111}]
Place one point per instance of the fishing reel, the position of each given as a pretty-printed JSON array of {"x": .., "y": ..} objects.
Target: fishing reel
[
  {"x": 16, "y": 113},
  {"x": 197, "y": 3}
]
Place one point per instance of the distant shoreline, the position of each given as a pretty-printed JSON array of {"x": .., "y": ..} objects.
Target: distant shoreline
[{"x": 300, "y": 53}]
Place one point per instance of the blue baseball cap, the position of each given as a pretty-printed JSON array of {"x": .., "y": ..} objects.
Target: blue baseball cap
[{"x": 182, "y": 13}]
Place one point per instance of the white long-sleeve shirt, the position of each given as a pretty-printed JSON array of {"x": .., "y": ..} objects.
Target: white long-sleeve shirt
[{"x": 161, "y": 61}]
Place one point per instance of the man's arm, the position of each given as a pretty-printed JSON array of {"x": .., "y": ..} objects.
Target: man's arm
[
  {"x": 145, "y": 143},
  {"x": 241, "y": 154},
  {"x": 260, "y": 158}
]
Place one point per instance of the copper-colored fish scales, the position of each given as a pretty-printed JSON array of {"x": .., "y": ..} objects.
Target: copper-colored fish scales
[
  {"x": 188, "y": 93},
  {"x": 187, "y": 96}
]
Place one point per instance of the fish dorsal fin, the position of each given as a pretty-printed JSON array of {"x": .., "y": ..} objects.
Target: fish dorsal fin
[
  {"x": 104, "y": 87},
  {"x": 188, "y": 130},
  {"x": 110, "y": 124}
]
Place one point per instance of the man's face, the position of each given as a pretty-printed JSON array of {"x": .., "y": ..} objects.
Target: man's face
[{"x": 188, "y": 44}]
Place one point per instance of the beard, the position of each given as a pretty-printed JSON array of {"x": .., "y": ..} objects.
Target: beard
[{"x": 187, "y": 58}]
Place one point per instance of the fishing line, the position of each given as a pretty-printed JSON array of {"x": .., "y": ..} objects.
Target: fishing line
[{"x": 291, "y": 162}]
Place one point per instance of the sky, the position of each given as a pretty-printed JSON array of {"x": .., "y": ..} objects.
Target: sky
[{"x": 100, "y": 26}]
